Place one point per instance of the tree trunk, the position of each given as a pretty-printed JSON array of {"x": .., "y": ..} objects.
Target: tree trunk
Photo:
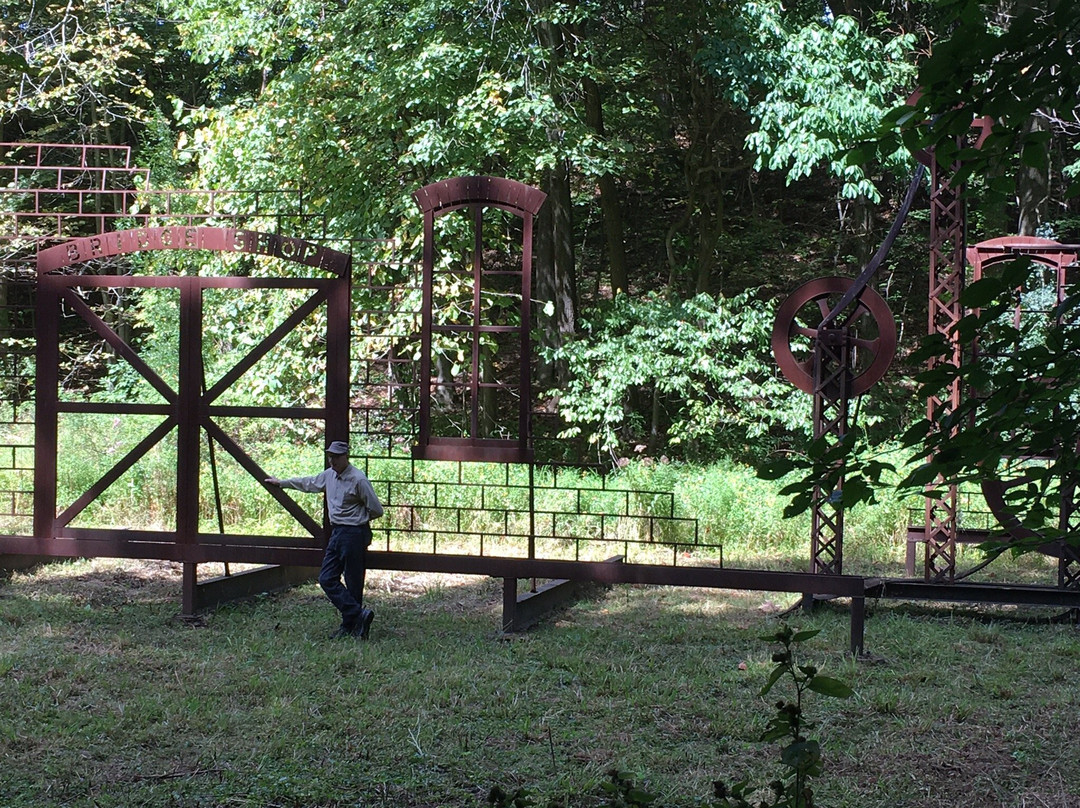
[
  {"x": 553, "y": 232},
  {"x": 610, "y": 207},
  {"x": 862, "y": 230},
  {"x": 1032, "y": 190},
  {"x": 555, "y": 280}
]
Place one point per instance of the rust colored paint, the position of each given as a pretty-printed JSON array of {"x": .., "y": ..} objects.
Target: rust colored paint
[
  {"x": 819, "y": 292},
  {"x": 474, "y": 194},
  {"x": 220, "y": 239},
  {"x": 190, "y": 409}
]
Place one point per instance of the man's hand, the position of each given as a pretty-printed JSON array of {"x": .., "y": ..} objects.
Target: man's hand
[{"x": 273, "y": 481}]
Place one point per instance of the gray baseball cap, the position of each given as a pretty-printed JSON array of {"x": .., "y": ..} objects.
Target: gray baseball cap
[{"x": 338, "y": 447}]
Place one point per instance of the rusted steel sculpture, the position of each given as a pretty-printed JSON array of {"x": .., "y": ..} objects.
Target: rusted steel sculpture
[
  {"x": 52, "y": 248},
  {"x": 847, "y": 356},
  {"x": 390, "y": 403},
  {"x": 948, "y": 243},
  {"x": 1055, "y": 258},
  {"x": 851, "y": 336},
  {"x": 474, "y": 194},
  {"x": 941, "y": 531},
  {"x": 947, "y": 274},
  {"x": 187, "y": 409}
]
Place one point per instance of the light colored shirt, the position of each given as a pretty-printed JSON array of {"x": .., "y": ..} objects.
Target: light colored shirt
[{"x": 350, "y": 499}]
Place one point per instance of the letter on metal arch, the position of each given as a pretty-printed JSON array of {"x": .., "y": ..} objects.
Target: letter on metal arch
[{"x": 219, "y": 239}]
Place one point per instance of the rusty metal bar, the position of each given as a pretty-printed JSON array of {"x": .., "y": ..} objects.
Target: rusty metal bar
[
  {"x": 252, "y": 357},
  {"x": 475, "y": 364},
  {"x": 115, "y": 472},
  {"x": 338, "y": 336},
  {"x": 47, "y": 361},
  {"x": 212, "y": 592},
  {"x": 112, "y": 338},
  {"x": 252, "y": 468},
  {"x": 189, "y": 411}
]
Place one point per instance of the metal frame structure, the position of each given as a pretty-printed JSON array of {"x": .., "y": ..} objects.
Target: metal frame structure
[
  {"x": 1057, "y": 258},
  {"x": 832, "y": 377},
  {"x": 474, "y": 195},
  {"x": 829, "y": 375},
  {"x": 189, "y": 408},
  {"x": 445, "y": 510},
  {"x": 947, "y": 274}
]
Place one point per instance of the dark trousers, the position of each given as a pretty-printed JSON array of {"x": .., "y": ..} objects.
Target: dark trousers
[{"x": 346, "y": 553}]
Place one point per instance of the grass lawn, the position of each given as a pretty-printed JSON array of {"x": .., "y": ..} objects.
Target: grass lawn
[{"x": 108, "y": 698}]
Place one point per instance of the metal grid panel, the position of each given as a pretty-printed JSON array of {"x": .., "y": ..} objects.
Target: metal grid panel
[{"x": 483, "y": 509}]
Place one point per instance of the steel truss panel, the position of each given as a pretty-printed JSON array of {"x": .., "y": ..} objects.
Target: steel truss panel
[
  {"x": 190, "y": 409},
  {"x": 832, "y": 392},
  {"x": 947, "y": 275}
]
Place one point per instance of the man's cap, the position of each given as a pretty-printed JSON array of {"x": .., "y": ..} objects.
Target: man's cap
[{"x": 338, "y": 447}]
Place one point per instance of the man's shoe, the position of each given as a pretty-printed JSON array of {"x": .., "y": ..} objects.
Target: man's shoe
[{"x": 363, "y": 625}]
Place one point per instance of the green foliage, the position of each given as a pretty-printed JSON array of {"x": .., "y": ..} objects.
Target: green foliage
[
  {"x": 518, "y": 798},
  {"x": 706, "y": 364},
  {"x": 800, "y": 755},
  {"x": 78, "y": 70},
  {"x": 368, "y": 101},
  {"x": 813, "y": 87},
  {"x": 1006, "y": 68},
  {"x": 620, "y": 792},
  {"x": 845, "y": 472},
  {"x": 1018, "y": 420}
]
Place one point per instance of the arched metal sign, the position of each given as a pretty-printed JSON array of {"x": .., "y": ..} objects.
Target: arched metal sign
[{"x": 220, "y": 239}]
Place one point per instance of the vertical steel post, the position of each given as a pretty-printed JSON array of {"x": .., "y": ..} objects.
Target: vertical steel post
[
  {"x": 424, "y": 415},
  {"x": 947, "y": 274},
  {"x": 477, "y": 304},
  {"x": 338, "y": 337},
  {"x": 832, "y": 392},
  {"x": 525, "y": 378},
  {"x": 1069, "y": 523},
  {"x": 45, "y": 396},
  {"x": 189, "y": 412}
]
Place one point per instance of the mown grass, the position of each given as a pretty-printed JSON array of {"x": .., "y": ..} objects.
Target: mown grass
[{"x": 107, "y": 698}]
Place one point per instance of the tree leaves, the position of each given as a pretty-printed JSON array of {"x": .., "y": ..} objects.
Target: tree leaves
[
  {"x": 706, "y": 359},
  {"x": 813, "y": 88}
]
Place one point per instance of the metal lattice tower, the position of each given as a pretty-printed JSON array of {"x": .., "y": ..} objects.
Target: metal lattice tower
[{"x": 947, "y": 271}]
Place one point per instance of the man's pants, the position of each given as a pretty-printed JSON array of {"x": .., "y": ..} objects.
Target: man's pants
[{"x": 346, "y": 553}]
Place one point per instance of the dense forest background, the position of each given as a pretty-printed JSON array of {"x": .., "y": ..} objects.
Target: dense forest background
[{"x": 699, "y": 158}]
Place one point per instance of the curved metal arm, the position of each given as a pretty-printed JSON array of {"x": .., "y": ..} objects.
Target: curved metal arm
[{"x": 879, "y": 257}]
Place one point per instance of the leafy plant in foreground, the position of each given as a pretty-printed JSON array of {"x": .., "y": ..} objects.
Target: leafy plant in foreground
[
  {"x": 800, "y": 755},
  {"x": 518, "y": 798},
  {"x": 620, "y": 792}
]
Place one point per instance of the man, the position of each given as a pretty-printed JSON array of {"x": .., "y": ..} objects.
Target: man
[{"x": 352, "y": 504}]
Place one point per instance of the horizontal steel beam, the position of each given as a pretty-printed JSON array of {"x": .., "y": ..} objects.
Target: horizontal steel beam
[
  {"x": 215, "y": 591},
  {"x": 280, "y": 550},
  {"x": 1013, "y": 594},
  {"x": 606, "y": 572}
]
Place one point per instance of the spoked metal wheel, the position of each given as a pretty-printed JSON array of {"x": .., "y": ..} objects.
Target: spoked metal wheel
[{"x": 868, "y": 320}]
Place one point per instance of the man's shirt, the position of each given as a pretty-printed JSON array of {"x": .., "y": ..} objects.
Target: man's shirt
[{"x": 350, "y": 499}]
